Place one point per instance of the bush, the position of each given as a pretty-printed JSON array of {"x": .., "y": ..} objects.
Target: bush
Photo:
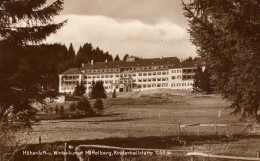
[
  {"x": 57, "y": 110},
  {"x": 62, "y": 111},
  {"x": 72, "y": 107}
]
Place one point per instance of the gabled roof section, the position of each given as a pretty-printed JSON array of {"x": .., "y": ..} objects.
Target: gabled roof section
[
  {"x": 72, "y": 71},
  {"x": 137, "y": 63},
  {"x": 85, "y": 67}
]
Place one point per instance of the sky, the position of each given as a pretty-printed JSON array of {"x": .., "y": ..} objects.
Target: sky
[{"x": 143, "y": 28}]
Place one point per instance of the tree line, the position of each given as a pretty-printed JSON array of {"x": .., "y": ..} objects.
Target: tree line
[{"x": 49, "y": 60}]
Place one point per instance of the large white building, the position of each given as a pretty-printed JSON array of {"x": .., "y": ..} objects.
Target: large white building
[{"x": 132, "y": 75}]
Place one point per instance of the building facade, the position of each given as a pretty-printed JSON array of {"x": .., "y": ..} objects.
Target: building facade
[{"x": 132, "y": 75}]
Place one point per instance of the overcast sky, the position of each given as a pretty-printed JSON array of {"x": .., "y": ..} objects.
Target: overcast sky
[{"x": 144, "y": 28}]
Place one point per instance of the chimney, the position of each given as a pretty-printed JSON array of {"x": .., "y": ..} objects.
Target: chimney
[
  {"x": 92, "y": 62},
  {"x": 82, "y": 64}
]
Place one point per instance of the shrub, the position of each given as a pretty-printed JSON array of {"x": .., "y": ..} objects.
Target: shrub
[
  {"x": 72, "y": 107},
  {"x": 57, "y": 110},
  {"x": 61, "y": 110}
]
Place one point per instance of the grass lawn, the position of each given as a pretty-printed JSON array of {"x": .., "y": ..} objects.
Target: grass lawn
[{"x": 148, "y": 122}]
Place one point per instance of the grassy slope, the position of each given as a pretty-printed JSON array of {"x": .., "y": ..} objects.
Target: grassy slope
[{"x": 186, "y": 108}]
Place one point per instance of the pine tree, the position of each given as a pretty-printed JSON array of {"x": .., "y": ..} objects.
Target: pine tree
[
  {"x": 85, "y": 106},
  {"x": 117, "y": 58},
  {"x": 98, "y": 106},
  {"x": 23, "y": 23},
  {"x": 197, "y": 80},
  {"x": 100, "y": 90},
  {"x": 125, "y": 57},
  {"x": 80, "y": 90},
  {"x": 71, "y": 51},
  {"x": 206, "y": 84},
  {"x": 114, "y": 94},
  {"x": 202, "y": 81},
  {"x": 87, "y": 53},
  {"x": 71, "y": 56},
  {"x": 227, "y": 36},
  {"x": 97, "y": 90},
  {"x": 93, "y": 93}
]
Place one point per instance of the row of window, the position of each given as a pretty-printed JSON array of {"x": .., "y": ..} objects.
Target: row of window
[
  {"x": 154, "y": 67},
  {"x": 152, "y": 85},
  {"x": 128, "y": 69},
  {"x": 176, "y": 71},
  {"x": 70, "y": 77},
  {"x": 186, "y": 77},
  {"x": 70, "y": 83},
  {"x": 68, "y": 88},
  {"x": 184, "y": 70},
  {"x": 152, "y": 73},
  {"x": 176, "y": 77},
  {"x": 189, "y": 70},
  {"x": 104, "y": 70},
  {"x": 125, "y": 75},
  {"x": 180, "y": 84},
  {"x": 132, "y": 80},
  {"x": 152, "y": 79}
]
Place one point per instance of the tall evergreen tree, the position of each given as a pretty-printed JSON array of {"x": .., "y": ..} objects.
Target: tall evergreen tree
[
  {"x": 197, "y": 79},
  {"x": 202, "y": 81},
  {"x": 71, "y": 56},
  {"x": 88, "y": 53},
  {"x": 206, "y": 84},
  {"x": 97, "y": 90},
  {"x": 227, "y": 37},
  {"x": 117, "y": 58},
  {"x": 114, "y": 94},
  {"x": 80, "y": 90},
  {"x": 23, "y": 23},
  {"x": 99, "y": 106},
  {"x": 71, "y": 51},
  {"x": 85, "y": 106},
  {"x": 125, "y": 57}
]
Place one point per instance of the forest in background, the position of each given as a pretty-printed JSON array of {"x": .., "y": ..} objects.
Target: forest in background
[{"x": 53, "y": 59}]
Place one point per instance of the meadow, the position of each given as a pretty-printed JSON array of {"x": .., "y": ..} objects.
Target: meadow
[{"x": 154, "y": 121}]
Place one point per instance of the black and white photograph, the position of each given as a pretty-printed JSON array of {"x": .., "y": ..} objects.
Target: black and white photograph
[{"x": 129, "y": 80}]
